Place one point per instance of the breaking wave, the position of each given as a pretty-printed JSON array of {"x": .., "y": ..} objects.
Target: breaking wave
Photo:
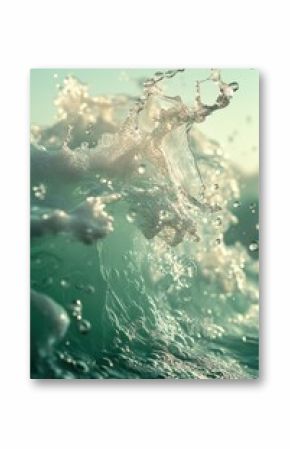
[{"x": 138, "y": 266}]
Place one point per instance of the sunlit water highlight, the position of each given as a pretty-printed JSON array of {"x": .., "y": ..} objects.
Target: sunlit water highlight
[{"x": 144, "y": 240}]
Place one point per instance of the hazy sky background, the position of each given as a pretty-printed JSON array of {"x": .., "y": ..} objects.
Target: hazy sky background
[{"x": 236, "y": 127}]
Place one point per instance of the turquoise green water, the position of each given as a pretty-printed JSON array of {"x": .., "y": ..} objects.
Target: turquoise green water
[{"x": 138, "y": 271}]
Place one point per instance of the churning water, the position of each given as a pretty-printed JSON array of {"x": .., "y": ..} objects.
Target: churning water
[{"x": 144, "y": 238}]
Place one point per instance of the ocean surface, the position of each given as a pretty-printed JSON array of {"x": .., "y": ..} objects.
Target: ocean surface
[{"x": 144, "y": 229}]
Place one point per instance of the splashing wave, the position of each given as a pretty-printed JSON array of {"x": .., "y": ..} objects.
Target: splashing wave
[{"x": 168, "y": 297}]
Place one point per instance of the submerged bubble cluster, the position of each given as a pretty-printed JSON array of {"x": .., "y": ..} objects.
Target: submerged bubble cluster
[{"x": 83, "y": 325}]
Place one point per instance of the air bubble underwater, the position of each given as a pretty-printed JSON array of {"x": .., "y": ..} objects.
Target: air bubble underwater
[
  {"x": 83, "y": 325},
  {"x": 64, "y": 283}
]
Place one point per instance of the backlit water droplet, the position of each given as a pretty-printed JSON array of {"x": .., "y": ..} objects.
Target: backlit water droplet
[
  {"x": 131, "y": 216},
  {"x": 254, "y": 246},
  {"x": 64, "y": 283},
  {"x": 236, "y": 204},
  {"x": 141, "y": 169},
  {"x": 39, "y": 191},
  {"x": 76, "y": 307},
  {"x": 252, "y": 208}
]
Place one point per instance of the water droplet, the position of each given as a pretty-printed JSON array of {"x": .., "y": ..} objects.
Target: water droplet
[
  {"x": 252, "y": 208},
  {"x": 55, "y": 75},
  {"x": 64, "y": 283},
  {"x": 39, "y": 191},
  {"x": 84, "y": 326},
  {"x": 236, "y": 204},
  {"x": 254, "y": 246},
  {"x": 131, "y": 216},
  {"x": 76, "y": 307},
  {"x": 141, "y": 169},
  {"x": 244, "y": 338}
]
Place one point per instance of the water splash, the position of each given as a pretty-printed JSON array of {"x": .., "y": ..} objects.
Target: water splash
[{"x": 175, "y": 300}]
